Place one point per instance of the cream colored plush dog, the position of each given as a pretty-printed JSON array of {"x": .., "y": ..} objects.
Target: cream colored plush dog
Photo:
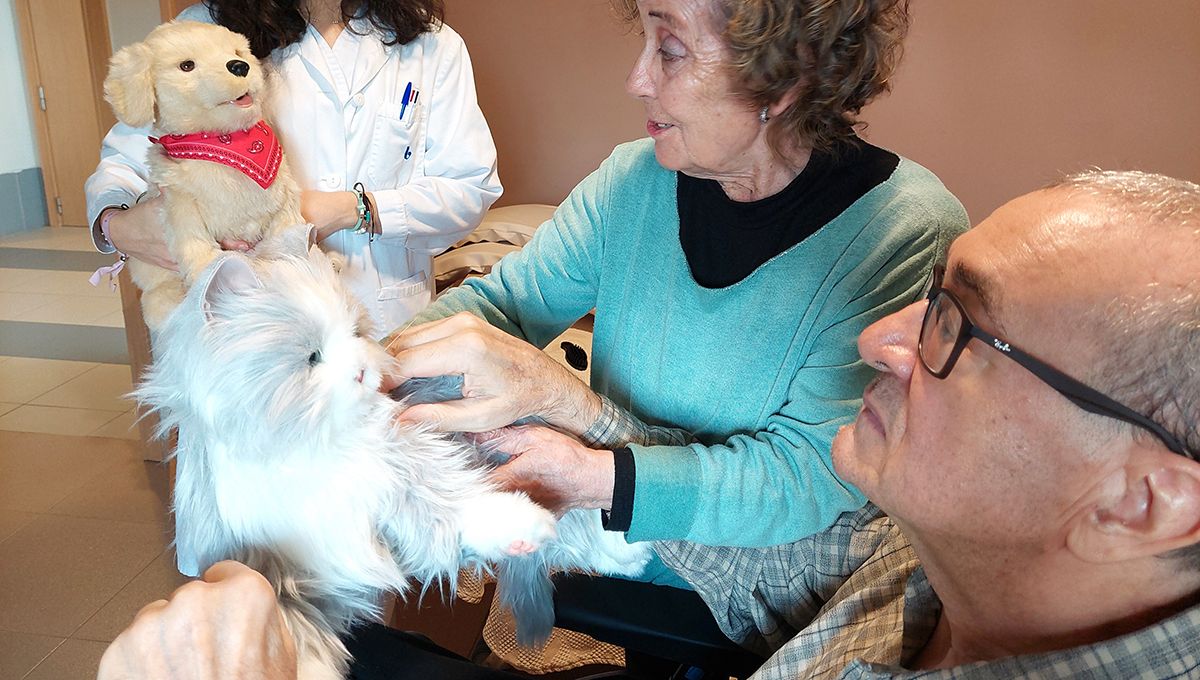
[{"x": 219, "y": 166}]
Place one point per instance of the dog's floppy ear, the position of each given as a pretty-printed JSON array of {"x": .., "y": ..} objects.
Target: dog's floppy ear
[
  {"x": 230, "y": 273},
  {"x": 129, "y": 87}
]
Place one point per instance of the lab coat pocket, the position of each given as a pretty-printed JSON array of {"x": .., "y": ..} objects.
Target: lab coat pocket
[
  {"x": 400, "y": 302},
  {"x": 391, "y": 162}
]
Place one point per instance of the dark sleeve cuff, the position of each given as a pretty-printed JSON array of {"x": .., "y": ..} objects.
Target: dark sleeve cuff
[{"x": 624, "y": 474}]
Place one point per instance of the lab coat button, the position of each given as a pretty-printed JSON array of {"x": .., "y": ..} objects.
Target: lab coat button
[{"x": 357, "y": 100}]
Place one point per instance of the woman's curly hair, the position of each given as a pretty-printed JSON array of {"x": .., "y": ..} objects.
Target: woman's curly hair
[
  {"x": 271, "y": 24},
  {"x": 840, "y": 54}
]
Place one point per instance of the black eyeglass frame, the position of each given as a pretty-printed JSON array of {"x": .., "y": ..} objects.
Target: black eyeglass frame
[{"x": 1086, "y": 398}]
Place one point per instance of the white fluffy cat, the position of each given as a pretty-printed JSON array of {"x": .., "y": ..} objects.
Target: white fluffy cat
[{"x": 289, "y": 460}]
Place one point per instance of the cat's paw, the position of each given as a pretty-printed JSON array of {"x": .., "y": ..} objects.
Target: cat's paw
[{"x": 497, "y": 525}]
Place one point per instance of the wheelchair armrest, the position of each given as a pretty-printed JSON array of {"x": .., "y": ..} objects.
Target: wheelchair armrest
[{"x": 657, "y": 621}]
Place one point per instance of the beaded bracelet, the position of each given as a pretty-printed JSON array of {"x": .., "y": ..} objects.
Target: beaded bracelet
[{"x": 363, "y": 225}]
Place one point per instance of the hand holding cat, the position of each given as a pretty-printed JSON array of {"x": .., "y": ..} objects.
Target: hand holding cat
[
  {"x": 556, "y": 470},
  {"x": 505, "y": 378},
  {"x": 225, "y": 625}
]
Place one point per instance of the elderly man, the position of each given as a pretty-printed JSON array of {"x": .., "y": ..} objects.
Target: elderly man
[
  {"x": 1032, "y": 437},
  {"x": 1056, "y": 525}
]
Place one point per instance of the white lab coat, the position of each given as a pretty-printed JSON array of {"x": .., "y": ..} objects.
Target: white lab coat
[{"x": 432, "y": 173}]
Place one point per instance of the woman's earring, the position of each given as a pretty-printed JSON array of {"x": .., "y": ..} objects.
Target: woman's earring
[{"x": 762, "y": 115}]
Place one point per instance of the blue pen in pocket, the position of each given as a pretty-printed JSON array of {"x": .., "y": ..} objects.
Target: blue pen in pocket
[{"x": 404, "y": 99}]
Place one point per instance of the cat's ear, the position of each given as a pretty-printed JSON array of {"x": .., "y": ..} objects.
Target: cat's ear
[{"x": 231, "y": 273}]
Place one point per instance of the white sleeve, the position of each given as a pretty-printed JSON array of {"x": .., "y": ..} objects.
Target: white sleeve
[
  {"x": 121, "y": 175},
  {"x": 460, "y": 181}
]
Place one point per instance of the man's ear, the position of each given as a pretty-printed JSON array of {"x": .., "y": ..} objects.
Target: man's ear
[
  {"x": 1149, "y": 507},
  {"x": 129, "y": 87}
]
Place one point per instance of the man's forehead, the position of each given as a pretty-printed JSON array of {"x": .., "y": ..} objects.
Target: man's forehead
[
  {"x": 1048, "y": 234},
  {"x": 1026, "y": 250}
]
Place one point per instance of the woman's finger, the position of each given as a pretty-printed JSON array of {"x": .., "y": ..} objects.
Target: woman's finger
[
  {"x": 434, "y": 330},
  {"x": 430, "y": 360},
  {"x": 464, "y": 415},
  {"x": 237, "y": 245}
]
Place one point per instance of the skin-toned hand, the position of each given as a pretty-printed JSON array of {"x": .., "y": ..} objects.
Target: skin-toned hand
[
  {"x": 225, "y": 626},
  {"x": 333, "y": 211},
  {"x": 556, "y": 470},
  {"x": 505, "y": 378},
  {"x": 139, "y": 233}
]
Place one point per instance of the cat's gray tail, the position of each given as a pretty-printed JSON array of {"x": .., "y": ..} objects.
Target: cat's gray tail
[
  {"x": 524, "y": 587},
  {"x": 321, "y": 654}
]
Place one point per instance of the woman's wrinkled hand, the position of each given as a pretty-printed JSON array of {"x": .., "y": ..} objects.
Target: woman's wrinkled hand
[
  {"x": 556, "y": 470},
  {"x": 505, "y": 378},
  {"x": 226, "y": 625}
]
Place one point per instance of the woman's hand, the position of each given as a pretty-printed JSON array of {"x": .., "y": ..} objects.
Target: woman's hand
[
  {"x": 556, "y": 470},
  {"x": 504, "y": 378},
  {"x": 329, "y": 211},
  {"x": 226, "y": 625},
  {"x": 140, "y": 233}
]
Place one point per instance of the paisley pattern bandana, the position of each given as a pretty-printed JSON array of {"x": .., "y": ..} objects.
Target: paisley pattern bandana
[{"x": 255, "y": 152}]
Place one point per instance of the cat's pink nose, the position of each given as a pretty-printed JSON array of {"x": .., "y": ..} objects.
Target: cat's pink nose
[{"x": 361, "y": 374}]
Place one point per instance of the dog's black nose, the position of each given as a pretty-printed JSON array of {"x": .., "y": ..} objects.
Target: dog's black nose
[{"x": 238, "y": 67}]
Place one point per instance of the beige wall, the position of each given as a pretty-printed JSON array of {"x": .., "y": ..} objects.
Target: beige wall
[
  {"x": 129, "y": 21},
  {"x": 996, "y": 97},
  {"x": 999, "y": 97},
  {"x": 550, "y": 76}
]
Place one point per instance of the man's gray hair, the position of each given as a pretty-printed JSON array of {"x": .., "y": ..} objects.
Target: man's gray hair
[{"x": 1153, "y": 365}]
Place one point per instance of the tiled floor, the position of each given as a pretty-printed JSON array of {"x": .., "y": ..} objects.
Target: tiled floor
[{"x": 84, "y": 527}]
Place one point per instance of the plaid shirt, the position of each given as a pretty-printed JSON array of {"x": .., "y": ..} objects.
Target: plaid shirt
[
  {"x": 852, "y": 602},
  {"x": 616, "y": 427}
]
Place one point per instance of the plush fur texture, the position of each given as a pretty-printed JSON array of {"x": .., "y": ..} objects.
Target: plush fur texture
[
  {"x": 289, "y": 459},
  {"x": 523, "y": 583},
  {"x": 203, "y": 201}
]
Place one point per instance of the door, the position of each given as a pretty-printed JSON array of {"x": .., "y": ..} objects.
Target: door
[{"x": 65, "y": 46}]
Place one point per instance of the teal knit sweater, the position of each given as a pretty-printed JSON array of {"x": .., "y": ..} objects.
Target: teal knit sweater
[{"x": 762, "y": 372}]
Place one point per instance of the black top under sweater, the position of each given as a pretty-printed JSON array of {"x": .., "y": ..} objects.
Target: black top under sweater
[{"x": 724, "y": 240}]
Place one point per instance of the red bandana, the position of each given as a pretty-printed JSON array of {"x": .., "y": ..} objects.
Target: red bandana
[{"x": 255, "y": 152}]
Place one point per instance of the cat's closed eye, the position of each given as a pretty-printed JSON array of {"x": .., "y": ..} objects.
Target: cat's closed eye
[{"x": 314, "y": 358}]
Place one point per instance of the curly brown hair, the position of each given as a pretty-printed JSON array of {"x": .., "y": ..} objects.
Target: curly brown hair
[
  {"x": 839, "y": 53},
  {"x": 271, "y": 24}
]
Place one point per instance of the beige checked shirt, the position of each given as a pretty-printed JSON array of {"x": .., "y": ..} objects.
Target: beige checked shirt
[{"x": 852, "y": 602}]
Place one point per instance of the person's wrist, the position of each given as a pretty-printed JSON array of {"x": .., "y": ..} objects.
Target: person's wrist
[
  {"x": 112, "y": 222},
  {"x": 347, "y": 209},
  {"x": 601, "y": 471},
  {"x": 573, "y": 406}
]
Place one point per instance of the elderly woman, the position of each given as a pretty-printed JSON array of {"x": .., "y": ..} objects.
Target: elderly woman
[{"x": 732, "y": 259}]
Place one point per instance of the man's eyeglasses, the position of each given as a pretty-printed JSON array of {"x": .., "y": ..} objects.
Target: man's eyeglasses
[{"x": 947, "y": 329}]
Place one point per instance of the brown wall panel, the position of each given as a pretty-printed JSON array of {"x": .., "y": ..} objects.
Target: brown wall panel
[
  {"x": 995, "y": 97},
  {"x": 550, "y": 75}
]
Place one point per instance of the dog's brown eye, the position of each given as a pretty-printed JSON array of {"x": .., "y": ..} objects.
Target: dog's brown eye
[{"x": 187, "y": 65}]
